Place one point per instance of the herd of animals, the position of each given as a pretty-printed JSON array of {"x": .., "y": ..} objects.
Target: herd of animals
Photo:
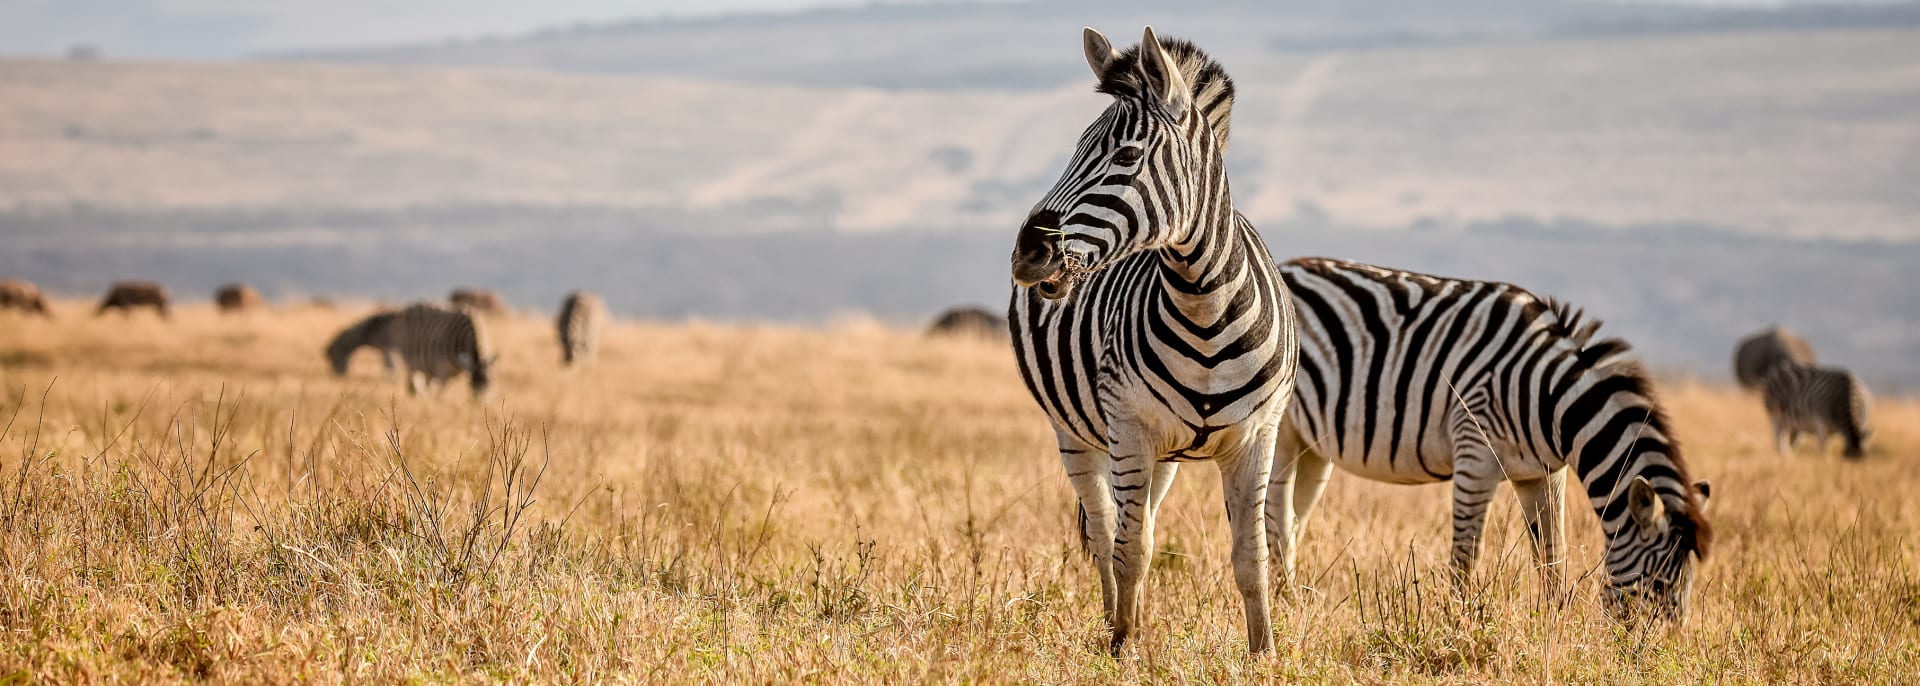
[
  {"x": 426, "y": 343},
  {"x": 1153, "y": 327}
]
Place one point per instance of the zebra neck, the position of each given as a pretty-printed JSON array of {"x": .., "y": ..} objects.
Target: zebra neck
[
  {"x": 1199, "y": 263},
  {"x": 1608, "y": 449}
]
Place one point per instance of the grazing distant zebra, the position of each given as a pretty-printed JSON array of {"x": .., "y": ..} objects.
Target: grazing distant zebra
[
  {"x": 373, "y": 332},
  {"x": 479, "y": 300},
  {"x": 1149, "y": 321},
  {"x": 127, "y": 295},
  {"x": 1820, "y": 400},
  {"x": 582, "y": 316},
  {"x": 1761, "y": 350},
  {"x": 238, "y": 297},
  {"x": 16, "y": 294},
  {"x": 970, "y": 322},
  {"x": 437, "y": 343},
  {"x": 1410, "y": 378}
]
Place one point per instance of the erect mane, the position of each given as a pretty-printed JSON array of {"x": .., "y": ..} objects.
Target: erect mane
[{"x": 1212, "y": 88}]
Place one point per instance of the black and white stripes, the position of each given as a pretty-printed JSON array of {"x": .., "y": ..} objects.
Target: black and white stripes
[
  {"x": 1149, "y": 321},
  {"x": 1823, "y": 401},
  {"x": 1411, "y": 378}
]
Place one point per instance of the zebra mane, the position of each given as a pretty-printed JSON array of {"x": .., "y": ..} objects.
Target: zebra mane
[
  {"x": 1632, "y": 377},
  {"x": 1212, "y": 88}
]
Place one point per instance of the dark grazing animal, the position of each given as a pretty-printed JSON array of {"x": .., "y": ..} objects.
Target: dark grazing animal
[
  {"x": 127, "y": 295},
  {"x": 238, "y": 297},
  {"x": 970, "y": 322},
  {"x": 438, "y": 343},
  {"x": 1757, "y": 354},
  {"x": 1824, "y": 401},
  {"x": 1150, "y": 323},
  {"x": 16, "y": 294},
  {"x": 582, "y": 316},
  {"x": 373, "y": 332},
  {"x": 479, "y": 300}
]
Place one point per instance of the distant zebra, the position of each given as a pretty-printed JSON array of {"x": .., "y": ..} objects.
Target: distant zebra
[
  {"x": 1149, "y": 321},
  {"x": 376, "y": 331},
  {"x": 437, "y": 343},
  {"x": 1818, "y": 400},
  {"x": 582, "y": 316},
  {"x": 16, "y": 294},
  {"x": 238, "y": 297},
  {"x": 127, "y": 295},
  {"x": 970, "y": 322},
  {"x": 1758, "y": 353},
  {"x": 1410, "y": 378},
  {"x": 479, "y": 300}
]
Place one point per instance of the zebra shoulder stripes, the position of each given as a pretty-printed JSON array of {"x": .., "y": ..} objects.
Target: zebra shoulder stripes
[
  {"x": 1761, "y": 350},
  {"x": 437, "y": 343},
  {"x": 1149, "y": 321},
  {"x": 582, "y": 316},
  {"x": 1803, "y": 398},
  {"x": 1410, "y": 378}
]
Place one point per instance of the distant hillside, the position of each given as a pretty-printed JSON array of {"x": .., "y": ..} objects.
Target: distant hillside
[{"x": 1808, "y": 134}]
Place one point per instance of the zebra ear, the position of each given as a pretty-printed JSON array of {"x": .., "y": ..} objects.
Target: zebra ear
[
  {"x": 1100, "y": 52},
  {"x": 1706, "y": 491},
  {"x": 1645, "y": 504},
  {"x": 1164, "y": 80}
]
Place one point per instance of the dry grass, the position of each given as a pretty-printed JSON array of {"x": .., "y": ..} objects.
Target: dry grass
[{"x": 198, "y": 500}]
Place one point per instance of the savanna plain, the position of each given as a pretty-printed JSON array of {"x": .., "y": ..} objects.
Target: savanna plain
[{"x": 201, "y": 500}]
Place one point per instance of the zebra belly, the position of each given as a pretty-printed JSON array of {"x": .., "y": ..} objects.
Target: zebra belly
[{"x": 1402, "y": 464}]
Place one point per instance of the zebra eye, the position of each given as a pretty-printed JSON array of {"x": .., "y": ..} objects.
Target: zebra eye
[{"x": 1127, "y": 156}]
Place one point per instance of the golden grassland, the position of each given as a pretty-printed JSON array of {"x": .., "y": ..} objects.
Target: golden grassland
[{"x": 200, "y": 500}]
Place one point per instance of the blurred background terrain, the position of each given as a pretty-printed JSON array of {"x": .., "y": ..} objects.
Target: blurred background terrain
[{"x": 1688, "y": 172}]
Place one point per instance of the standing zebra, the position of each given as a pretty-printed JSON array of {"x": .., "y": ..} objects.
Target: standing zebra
[
  {"x": 1409, "y": 378},
  {"x": 1821, "y": 400},
  {"x": 1149, "y": 322},
  {"x": 582, "y": 316},
  {"x": 437, "y": 343},
  {"x": 376, "y": 332},
  {"x": 1761, "y": 350}
]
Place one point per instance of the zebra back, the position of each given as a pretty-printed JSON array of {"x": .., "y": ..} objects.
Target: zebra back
[
  {"x": 1802, "y": 397},
  {"x": 1757, "y": 354},
  {"x": 582, "y": 316}
]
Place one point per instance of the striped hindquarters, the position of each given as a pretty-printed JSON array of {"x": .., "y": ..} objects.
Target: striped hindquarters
[
  {"x": 1821, "y": 400},
  {"x": 441, "y": 343},
  {"x": 582, "y": 316}
]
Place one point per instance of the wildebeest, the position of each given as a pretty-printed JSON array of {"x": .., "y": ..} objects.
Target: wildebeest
[
  {"x": 479, "y": 300},
  {"x": 582, "y": 316},
  {"x": 16, "y": 294},
  {"x": 127, "y": 295},
  {"x": 238, "y": 297},
  {"x": 978, "y": 322},
  {"x": 1762, "y": 350}
]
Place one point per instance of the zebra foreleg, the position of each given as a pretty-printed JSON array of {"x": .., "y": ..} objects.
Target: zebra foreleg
[
  {"x": 1088, "y": 470},
  {"x": 1476, "y": 476},
  {"x": 1132, "y": 482},
  {"x": 1244, "y": 479},
  {"x": 1543, "y": 503}
]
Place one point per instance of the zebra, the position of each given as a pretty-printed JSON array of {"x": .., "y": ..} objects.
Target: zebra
[
  {"x": 17, "y": 294},
  {"x": 1410, "y": 378},
  {"x": 437, "y": 343},
  {"x": 1821, "y": 400},
  {"x": 582, "y": 316},
  {"x": 375, "y": 332},
  {"x": 1149, "y": 321},
  {"x": 969, "y": 322},
  {"x": 1757, "y": 354},
  {"x": 127, "y": 295},
  {"x": 237, "y": 297}
]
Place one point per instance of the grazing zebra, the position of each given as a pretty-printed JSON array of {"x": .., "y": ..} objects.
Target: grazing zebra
[
  {"x": 970, "y": 322},
  {"x": 127, "y": 295},
  {"x": 582, "y": 316},
  {"x": 16, "y": 294},
  {"x": 238, "y": 297},
  {"x": 479, "y": 300},
  {"x": 1149, "y": 322},
  {"x": 375, "y": 332},
  {"x": 1757, "y": 354},
  {"x": 437, "y": 343},
  {"x": 1820, "y": 400},
  {"x": 1410, "y": 378}
]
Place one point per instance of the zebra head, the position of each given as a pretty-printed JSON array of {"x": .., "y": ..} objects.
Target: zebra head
[
  {"x": 1138, "y": 167},
  {"x": 1652, "y": 558}
]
